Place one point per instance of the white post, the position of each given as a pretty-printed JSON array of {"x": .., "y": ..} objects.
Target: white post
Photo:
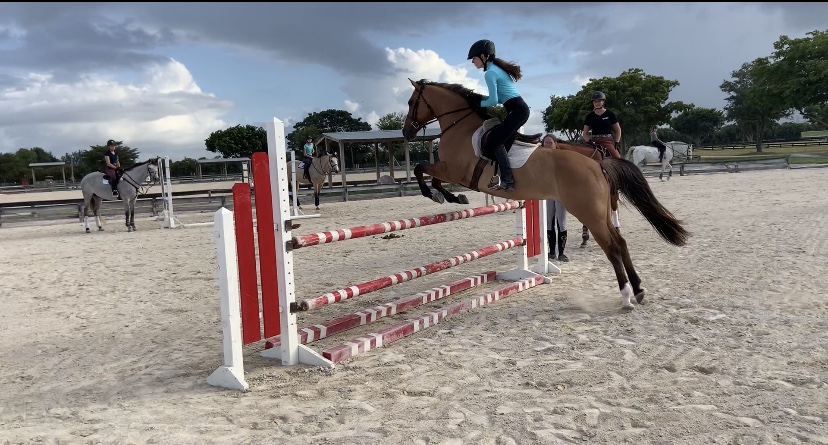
[
  {"x": 543, "y": 265},
  {"x": 166, "y": 194},
  {"x": 522, "y": 271},
  {"x": 245, "y": 172},
  {"x": 231, "y": 374},
  {"x": 291, "y": 352}
]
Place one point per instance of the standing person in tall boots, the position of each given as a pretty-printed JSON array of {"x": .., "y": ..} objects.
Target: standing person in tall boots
[
  {"x": 555, "y": 216},
  {"x": 500, "y": 78}
]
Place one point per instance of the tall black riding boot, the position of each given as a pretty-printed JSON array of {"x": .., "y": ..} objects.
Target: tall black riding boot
[
  {"x": 507, "y": 182},
  {"x": 585, "y": 237},
  {"x": 561, "y": 246},
  {"x": 550, "y": 238},
  {"x": 307, "y": 172}
]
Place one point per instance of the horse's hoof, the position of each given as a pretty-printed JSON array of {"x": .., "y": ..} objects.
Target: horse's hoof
[
  {"x": 639, "y": 297},
  {"x": 100, "y": 229},
  {"x": 626, "y": 307},
  {"x": 462, "y": 199},
  {"x": 317, "y": 207},
  {"x": 438, "y": 198},
  {"x": 88, "y": 231}
]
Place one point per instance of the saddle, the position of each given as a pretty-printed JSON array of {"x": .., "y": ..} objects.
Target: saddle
[
  {"x": 518, "y": 154},
  {"x": 520, "y": 137}
]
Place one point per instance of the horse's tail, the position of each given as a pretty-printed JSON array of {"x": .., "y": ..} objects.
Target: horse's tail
[{"x": 626, "y": 178}]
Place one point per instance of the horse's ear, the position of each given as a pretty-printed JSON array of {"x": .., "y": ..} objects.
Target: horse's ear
[{"x": 413, "y": 83}]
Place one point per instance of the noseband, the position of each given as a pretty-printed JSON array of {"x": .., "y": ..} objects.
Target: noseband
[{"x": 422, "y": 126}]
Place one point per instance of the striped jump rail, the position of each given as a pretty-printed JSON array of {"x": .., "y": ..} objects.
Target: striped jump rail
[
  {"x": 310, "y": 334},
  {"x": 331, "y": 236},
  {"x": 407, "y": 275},
  {"x": 405, "y": 328}
]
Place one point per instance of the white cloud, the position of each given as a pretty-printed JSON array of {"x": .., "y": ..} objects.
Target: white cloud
[
  {"x": 163, "y": 113},
  {"x": 371, "y": 99}
]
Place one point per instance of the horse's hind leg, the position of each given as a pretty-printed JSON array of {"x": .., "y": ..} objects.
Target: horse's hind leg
[
  {"x": 635, "y": 280},
  {"x": 96, "y": 209},
  {"x": 317, "y": 190},
  {"x": 614, "y": 247},
  {"x": 86, "y": 215}
]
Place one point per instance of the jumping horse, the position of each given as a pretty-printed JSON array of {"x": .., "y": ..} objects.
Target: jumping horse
[
  {"x": 95, "y": 187},
  {"x": 583, "y": 186},
  {"x": 318, "y": 172}
]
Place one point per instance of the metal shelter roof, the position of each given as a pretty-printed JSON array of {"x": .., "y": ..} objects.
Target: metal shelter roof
[{"x": 380, "y": 136}]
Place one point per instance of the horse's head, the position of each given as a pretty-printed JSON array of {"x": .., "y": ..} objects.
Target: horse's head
[
  {"x": 431, "y": 100},
  {"x": 334, "y": 161},
  {"x": 418, "y": 117},
  {"x": 152, "y": 170}
]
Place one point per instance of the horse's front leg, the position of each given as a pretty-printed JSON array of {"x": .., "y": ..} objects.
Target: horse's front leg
[
  {"x": 450, "y": 197},
  {"x": 419, "y": 170},
  {"x": 436, "y": 171},
  {"x": 132, "y": 215},
  {"x": 317, "y": 190},
  {"x": 126, "y": 215}
]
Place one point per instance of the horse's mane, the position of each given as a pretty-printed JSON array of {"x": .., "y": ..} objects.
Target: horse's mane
[
  {"x": 140, "y": 164},
  {"x": 472, "y": 98}
]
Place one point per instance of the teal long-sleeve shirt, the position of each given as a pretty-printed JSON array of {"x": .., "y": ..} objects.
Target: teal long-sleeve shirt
[{"x": 501, "y": 86}]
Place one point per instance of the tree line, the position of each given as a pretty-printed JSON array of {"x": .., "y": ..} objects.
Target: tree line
[{"x": 760, "y": 95}]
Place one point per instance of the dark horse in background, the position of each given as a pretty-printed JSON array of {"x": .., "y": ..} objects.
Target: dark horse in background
[{"x": 585, "y": 187}]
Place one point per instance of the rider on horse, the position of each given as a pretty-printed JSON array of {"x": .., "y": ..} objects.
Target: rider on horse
[
  {"x": 307, "y": 156},
  {"x": 500, "y": 78},
  {"x": 113, "y": 166},
  {"x": 604, "y": 126},
  {"x": 657, "y": 142}
]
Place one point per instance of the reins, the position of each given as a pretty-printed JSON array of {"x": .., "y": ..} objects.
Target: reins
[{"x": 417, "y": 125}]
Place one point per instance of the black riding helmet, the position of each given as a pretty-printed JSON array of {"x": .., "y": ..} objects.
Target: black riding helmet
[
  {"x": 598, "y": 95},
  {"x": 479, "y": 47}
]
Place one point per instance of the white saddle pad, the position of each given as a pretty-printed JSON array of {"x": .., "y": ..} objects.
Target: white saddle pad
[
  {"x": 105, "y": 181},
  {"x": 517, "y": 155}
]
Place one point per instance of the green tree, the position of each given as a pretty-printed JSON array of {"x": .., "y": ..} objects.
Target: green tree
[
  {"x": 328, "y": 121},
  {"x": 752, "y": 102},
  {"x": 238, "y": 141},
  {"x": 184, "y": 167},
  {"x": 565, "y": 115},
  {"x": 698, "y": 123},
  {"x": 498, "y": 111},
  {"x": 93, "y": 159},
  {"x": 799, "y": 72},
  {"x": 12, "y": 168}
]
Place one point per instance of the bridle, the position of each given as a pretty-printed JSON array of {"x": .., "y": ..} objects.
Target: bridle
[
  {"x": 413, "y": 113},
  {"x": 330, "y": 162},
  {"x": 139, "y": 186}
]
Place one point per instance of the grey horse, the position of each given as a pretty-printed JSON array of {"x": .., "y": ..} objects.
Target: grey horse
[
  {"x": 319, "y": 170},
  {"x": 96, "y": 188}
]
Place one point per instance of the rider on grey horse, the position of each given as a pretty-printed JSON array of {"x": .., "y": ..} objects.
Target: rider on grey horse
[{"x": 113, "y": 166}]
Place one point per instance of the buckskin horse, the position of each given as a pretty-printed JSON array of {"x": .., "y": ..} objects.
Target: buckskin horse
[
  {"x": 318, "y": 171},
  {"x": 585, "y": 187}
]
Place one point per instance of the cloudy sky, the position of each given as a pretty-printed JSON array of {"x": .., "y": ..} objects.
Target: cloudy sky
[{"x": 163, "y": 76}]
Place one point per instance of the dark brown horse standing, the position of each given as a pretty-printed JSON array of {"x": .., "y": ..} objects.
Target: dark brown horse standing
[{"x": 583, "y": 186}]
